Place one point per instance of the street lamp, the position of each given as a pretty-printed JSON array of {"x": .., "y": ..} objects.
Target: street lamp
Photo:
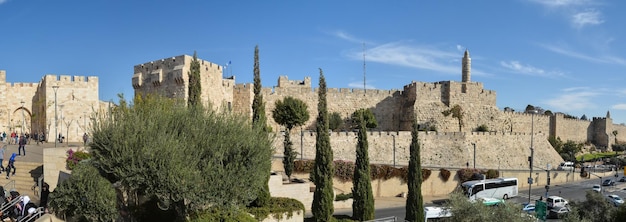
[
  {"x": 23, "y": 120},
  {"x": 394, "y": 150},
  {"x": 474, "y": 144},
  {"x": 301, "y": 145},
  {"x": 532, "y": 151},
  {"x": 56, "y": 118}
]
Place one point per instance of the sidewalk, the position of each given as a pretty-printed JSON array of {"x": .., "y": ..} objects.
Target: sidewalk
[
  {"x": 34, "y": 152},
  {"x": 391, "y": 202}
]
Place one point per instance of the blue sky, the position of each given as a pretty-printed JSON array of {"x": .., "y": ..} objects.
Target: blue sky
[{"x": 562, "y": 55}]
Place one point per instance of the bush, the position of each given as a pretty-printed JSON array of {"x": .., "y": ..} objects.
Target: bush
[
  {"x": 74, "y": 157},
  {"x": 223, "y": 215},
  {"x": 482, "y": 128},
  {"x": 491, "y": 173},
  {"x": 277, "y": 206},
  {"x": 444, "y": 174},
  {"x": 343, "y": 196},
  {"x": 344, "y": 170}
]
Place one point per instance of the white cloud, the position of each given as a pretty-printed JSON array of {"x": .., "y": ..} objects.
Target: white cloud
[
  {"x": 3, "y": 1},
  {"x": 573, "y": 99},
  {"x": 609, "y": 59},
  {"x": 579, "y": 13},
  {"x": 346, "y": 36},
  {"x": 619, "y": 106},
  {"x": 518, "y": 67},
  {"x": 563, "y": 3},
  {"x": 582, "y": 19},
  {"x": 359, "y": 85},
  {"x": 460, "y": 48},
  {"x": 421, "y": 57}
]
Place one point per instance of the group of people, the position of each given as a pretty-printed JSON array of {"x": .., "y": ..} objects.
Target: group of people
[
  {"x": 24, "y": 207},
  {"x": 11, "y": 163},
  {"x": 14, "y": 137}
]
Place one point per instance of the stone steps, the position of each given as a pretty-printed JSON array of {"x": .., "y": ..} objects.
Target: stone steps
[{"x": 24, "y": 180}]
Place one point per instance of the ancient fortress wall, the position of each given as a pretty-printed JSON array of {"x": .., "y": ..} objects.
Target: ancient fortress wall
[
  {"x": 572, "y": 129},
  {"x": 493, "y": 149},
  {"x": 343, "y": 101},
  {"x": 170, "y": 78},
  {"x": 77, "y": 99}
]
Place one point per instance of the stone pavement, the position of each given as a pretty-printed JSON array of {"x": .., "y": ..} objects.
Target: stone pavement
[
  {"x": 391, "y": 202},
  {"x": 34, "y": 152}
]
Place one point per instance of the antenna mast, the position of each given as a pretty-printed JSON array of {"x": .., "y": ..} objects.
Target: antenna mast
[{"x": 364, "y": 88}]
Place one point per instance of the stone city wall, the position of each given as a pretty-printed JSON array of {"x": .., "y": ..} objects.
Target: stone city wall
[
  {"x": 493, "y": 150},
  {"x": 572, "y": 129},
  {"x": 436, "y": 186}
]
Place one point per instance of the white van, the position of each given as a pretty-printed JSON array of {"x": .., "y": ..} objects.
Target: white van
[
  {"x": 569, "y": 166},
  {"x": 556, "y": 201}
]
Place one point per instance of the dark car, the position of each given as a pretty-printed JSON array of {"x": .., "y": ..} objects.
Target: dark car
[
  {"x": 608, "y": 182},
  {"x": 623, "y": 179}
]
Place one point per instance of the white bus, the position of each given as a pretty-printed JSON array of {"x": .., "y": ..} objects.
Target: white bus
[{"x": 503, "y": 188}]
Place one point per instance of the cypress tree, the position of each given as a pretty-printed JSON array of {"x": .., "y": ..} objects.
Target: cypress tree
[
  {"x": 414, "y": 201},
  {"x": 323, "y": 171},
  {"x": 259, "y": 120},
  {"x": 194, "y": 87},
  {"x": 258, "y": 106},
  {"x": 363, "y": 204}
]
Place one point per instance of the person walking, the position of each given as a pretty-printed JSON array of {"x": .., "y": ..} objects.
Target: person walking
[
  {"x": 2, "y": 150},
  {"x": 11, "y": 165},
  {"x": 22, "y": 146}
]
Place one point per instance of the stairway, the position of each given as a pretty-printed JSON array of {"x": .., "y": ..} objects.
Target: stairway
[{"x": 24, "y": 180}]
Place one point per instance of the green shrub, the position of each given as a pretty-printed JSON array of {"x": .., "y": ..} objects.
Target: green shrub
[
  {"x": 444, "y": 174},
  {"x": 222, "y": 215},
  {"x": 343, "y": 196},
  {"x": 491, "y": 173},
  {"x": 277, "y": 206},
  {"x": 344, "y": 170},
  {"x": 74, "y": 157},
  {"x": 482, "y": 128}
]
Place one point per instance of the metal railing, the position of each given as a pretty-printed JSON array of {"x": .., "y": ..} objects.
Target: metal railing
[
  {"x": 9, "y": 187},
  {"x": 34, "y": 216},
  {"x": 12, "y": 203},
  {"x": 384, "y": 219}
]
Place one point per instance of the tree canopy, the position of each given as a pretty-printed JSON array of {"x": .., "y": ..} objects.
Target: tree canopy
[
  {"x": 290, "y": 112},
  {"x": 367, "y": 115},
  {"x": 185, "y": 160}
]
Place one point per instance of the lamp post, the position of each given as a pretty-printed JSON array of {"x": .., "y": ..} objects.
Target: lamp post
[
  {"x": 394, "y": 150},
  {"x": 474, "y": 144},
  {"x": 301, "y": 144},
  {"x": 23, "y": 120},
  {"x": 56, "y": 118},
  {"x": 84, "y": 122},
  {"x": 532, "y": 151}
]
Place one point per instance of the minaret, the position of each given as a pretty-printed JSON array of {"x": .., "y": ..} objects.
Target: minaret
[{"x": 467, "y": 67}]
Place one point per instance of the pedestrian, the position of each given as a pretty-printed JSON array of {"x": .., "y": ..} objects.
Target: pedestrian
[
  {"x": 85, "y": 138},
  {"x": 2, "y": 150},
  {"x": 22, "y": 146},
  {"x": 11, "y": 165},
  {"x": 45, "y": 191}
]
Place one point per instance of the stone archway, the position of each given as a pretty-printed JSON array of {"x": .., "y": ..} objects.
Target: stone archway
[{"x": 20, "y": 121}]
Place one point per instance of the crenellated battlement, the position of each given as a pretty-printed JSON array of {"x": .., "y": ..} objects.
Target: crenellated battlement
[{"x": 67, "y": 79}]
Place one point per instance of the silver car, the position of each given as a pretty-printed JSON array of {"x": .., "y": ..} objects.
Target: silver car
[{"x": 615, "y": 200}]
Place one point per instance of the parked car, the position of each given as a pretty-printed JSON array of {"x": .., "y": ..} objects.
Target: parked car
[
  {"x": 615, "y": 200},
  {"x": 528, "y": 208},
  {"x": 608, "y": 182},
  {"x": 558, "y": 212},
  {"x": 556, "y": 202},
  {"x": 623, "y": 179},
  {"x": 597, "y": 188}
]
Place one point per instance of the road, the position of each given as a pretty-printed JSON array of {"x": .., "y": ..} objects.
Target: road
[{"x": 571, "y": 192}]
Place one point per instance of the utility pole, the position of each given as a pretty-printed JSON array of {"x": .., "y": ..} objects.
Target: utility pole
[
  {"x": 548, "y": 182},
  {"x": 56, "y": 118},
  {"x": 474, "y": 144},
  {"x": 532, "y": 152}
]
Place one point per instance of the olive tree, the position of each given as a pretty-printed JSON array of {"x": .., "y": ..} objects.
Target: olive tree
[{"x": 184, "y": 159}]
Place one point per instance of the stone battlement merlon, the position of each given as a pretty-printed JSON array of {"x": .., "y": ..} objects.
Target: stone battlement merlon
[
  {"x": 284, "y": 82},
  {"x": 53, "y": 79},
  {"x": 172, "y": 63},
  {"x": 22, "y": 84}
]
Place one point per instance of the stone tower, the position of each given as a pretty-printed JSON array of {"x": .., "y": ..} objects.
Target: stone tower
[{"x": 467, "y": 67}]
